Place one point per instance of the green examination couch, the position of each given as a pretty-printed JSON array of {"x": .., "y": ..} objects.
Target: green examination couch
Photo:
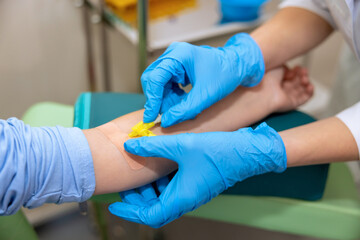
[{"x": 335, "y": 216}]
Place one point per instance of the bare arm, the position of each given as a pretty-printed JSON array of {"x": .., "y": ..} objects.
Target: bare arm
[
  {"x": 290, "y": 33},
  {"x": 113, "y": 173},
  {"x": 323, "y": 141}
]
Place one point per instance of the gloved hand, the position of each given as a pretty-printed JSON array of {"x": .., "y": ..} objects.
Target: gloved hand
[
  {"x": 213, "y": 73},
  {"x": 208, "y": 164},
  {"x": 145, "y": 195}
]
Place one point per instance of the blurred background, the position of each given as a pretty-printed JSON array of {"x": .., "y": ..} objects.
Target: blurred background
[
  {"x": 43, "y": 50},
  {"x": 52, "y": 50}
]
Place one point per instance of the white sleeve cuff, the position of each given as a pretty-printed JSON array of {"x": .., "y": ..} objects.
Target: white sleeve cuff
[
  {"x": 318, "y": 7},
  {"x": 351, "y": 118}
]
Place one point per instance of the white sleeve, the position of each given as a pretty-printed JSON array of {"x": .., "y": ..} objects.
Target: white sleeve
[
  {"x": 351, "y": 118},
  {"x": 318, "y": 7}
]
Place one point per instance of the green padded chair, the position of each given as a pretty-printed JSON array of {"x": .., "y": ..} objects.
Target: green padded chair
[
  {"x": 16, "y": 227},
  {"x": 336, "y": 216}
]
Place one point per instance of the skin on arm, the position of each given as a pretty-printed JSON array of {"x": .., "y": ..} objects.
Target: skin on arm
[
  {"x": 324, "y": 141},
  {"x": 241, "y": 108},
  {"x": 290, "y": 33}
]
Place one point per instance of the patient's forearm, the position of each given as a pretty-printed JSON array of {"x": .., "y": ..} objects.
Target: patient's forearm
[
  {"x": 290, "y": 33},
  {"x": 240, "y": 109},
  {"x": 112, "y": 171},
  {"x": 324, "y": 141}
]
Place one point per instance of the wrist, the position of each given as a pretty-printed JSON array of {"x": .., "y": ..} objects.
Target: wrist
[
  {"x": 272, "y": 152},
  {"x": 267, "y": 103},
  {"x": 263, "y": 151}
]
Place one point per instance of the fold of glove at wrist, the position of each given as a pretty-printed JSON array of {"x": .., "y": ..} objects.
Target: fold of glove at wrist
[
  {"x": 208, "y": 164},
  {"x": 246, "y": 49}
]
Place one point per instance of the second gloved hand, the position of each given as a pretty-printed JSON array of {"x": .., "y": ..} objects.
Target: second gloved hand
[
  {"x": 213, "y": 73},
  {"x": 208, "y": 164}
]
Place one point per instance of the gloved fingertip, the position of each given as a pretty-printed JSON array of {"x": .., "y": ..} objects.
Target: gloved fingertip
[
  {"x": 162, "y": 183},
  {"x": 147, "y": 119},
  {"x": 122, "y": 196},
  {"x": 149, "y": 116},
  {"x": 165, "y": 124},
  {"x": 113, "y": 208},
  {"x": 130, "y": 145},
  {"x": 148, "y": 193},
  {"x": 167, "y": 121}
]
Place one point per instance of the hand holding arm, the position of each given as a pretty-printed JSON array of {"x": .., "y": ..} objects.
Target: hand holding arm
[
  {"x": 208, "y": 164},
  {"x": 241, "y": 108},
  {"x": 213, "y": 73},
  {"x": 216, "y": 72},
  {"x": 233, "y": 157}
]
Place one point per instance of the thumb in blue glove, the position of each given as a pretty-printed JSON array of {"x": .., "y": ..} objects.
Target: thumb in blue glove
[
  {"x": 213, "y": 73},
  {"x": 208, "y": 164}
]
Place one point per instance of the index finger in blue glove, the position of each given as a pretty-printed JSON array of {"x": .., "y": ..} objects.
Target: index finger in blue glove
[
  {"x": 133, "y": 197},
  {"x": 154, "y": 81},
  {"x": 145, "y": 195},
  {"x": 158, "y": 146},
  {"x": 173, "y": 94},
  {"x": 148, "y": 192},
  {"x": 188, "y": 108},
  {"x": 162, "y": 183},
  {"x": 142, "y": 196},
  {"x": 130, "y": 212}
]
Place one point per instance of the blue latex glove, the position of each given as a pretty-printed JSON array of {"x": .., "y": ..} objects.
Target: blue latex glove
[
  {"x": 209, "y": 163},
  {"x": 213, "y": 73},
  {"x": 145, "y": 195}
]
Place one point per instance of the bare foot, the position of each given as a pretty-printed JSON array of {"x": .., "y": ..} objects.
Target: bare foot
[{"x": 290, "y": 87}]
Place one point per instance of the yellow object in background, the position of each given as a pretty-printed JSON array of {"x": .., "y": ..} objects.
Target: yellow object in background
[
  {"x": 141, "y": 129},
  {"x": 126, "y": 9}
]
